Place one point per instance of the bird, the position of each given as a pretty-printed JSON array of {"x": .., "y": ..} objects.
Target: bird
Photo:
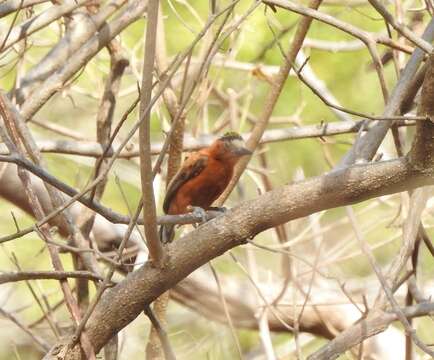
[{"x": 202, "y": 178}]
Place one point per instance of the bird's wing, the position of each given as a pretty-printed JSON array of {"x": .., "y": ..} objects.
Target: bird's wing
[{"x": 191, "y": 168}]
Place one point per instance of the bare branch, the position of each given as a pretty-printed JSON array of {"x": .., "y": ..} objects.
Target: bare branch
[
  {"x": 420, "y": 155},
  {"x": 168, "y": 352},
  {"x": 366, "y": 146},
  {"x": 79, "y": 59},
  {"x": 12, "y": 125},
  {"x": 367, "y": 328},
  {"x": 93, "y": 149},
  {"x": 337, "y": 188},
  {"x": 38, "y": 340},
  {"x": 81, "y": 28},
  {"x": 155, "y": 247},
  {"x": 38, "y": 22},
  {"x": 382, "y": 279},
  {"x": 9, "y": 6},
  {"x": 402, "y": 29},
  {"x": 271, "y": 100},
  {"x": 6, "y": 277}
]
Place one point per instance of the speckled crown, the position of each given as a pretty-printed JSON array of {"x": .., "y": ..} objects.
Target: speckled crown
[{"x": 231, "y": 135}]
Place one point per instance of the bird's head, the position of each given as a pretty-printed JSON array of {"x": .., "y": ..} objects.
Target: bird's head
[{"x": 230, "y": 147}]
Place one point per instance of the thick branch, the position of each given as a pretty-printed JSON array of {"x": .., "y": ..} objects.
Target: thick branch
[
  {"x": 422, "y": 152},
  {"x": 125, "y": 301},
  {"x": 366, "y": 328}
]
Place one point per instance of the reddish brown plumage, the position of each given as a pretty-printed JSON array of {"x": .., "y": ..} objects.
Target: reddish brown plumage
[{"x": 203, "y": 177}]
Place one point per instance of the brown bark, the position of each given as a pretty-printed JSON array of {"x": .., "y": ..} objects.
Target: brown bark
[{"x": 123, "y": 303}]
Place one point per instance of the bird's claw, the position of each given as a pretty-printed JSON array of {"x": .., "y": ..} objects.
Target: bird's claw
[{"x": 199, "y": 212}]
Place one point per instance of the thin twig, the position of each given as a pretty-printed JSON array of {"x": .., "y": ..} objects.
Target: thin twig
[
  {"x": 168, "y": 352},
  {"x": 6, "y": 277},
  {"x": 271, "y": 100},
  {"x": 385, "y": 286},
  {"x": 402, "y": 29},
  {"x": 225, "y": 309},
  {"x": 41, "y": 343},
  {"x": 43, "y": 232}
]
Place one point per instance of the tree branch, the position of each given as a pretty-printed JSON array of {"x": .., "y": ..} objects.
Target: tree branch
[
  {"x": 421, "y": 156},
  {"x": 38, "y": 22},
  {"x": 124, "y": 302},
  {"x": 93, "y": 149},
  {"x": 54, "y": 275},
  {"x": 271, "y": 100},
  {"x": 155, "y": 247},
  {"x": 366, "y": 328}
]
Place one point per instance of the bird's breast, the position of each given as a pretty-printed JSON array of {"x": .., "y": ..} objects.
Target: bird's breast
[{"x": 205, "y": 188}]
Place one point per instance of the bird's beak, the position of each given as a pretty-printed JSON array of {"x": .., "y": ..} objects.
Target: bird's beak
[{"x": 242, "y": 151}]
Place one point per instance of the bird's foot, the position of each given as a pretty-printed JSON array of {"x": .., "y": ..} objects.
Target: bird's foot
[{"x": 198, "y": 212}]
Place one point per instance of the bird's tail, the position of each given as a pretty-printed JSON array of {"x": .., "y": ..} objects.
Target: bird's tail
[{"x": 167, "y": 233}]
